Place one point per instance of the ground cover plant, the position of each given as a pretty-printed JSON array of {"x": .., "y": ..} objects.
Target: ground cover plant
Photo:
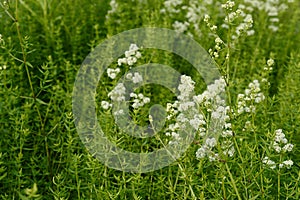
[{"x": 255, "y": 45}]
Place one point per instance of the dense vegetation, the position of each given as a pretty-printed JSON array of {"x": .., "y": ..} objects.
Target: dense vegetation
[{"x": 255, "y": 45}]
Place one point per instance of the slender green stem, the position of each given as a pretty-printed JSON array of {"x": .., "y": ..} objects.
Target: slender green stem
[
  {"x": 179, "y": 165},
  {"x": 233, "y": 182}
]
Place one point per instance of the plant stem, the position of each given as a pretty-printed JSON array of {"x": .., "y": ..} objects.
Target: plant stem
[{"x": 233, "y": 182}]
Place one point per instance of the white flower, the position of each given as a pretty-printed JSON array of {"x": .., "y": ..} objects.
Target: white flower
[
  {"x": 186, "y": 87},
  {"x": 270, "y": 62},
  {"x": 137, "y": 78},
  {"x": 4, "y": 67},
  {"x": 211, "y": 142},
  {"x": 131, "y": 56},
  {"x": 173, "y": 127},
  {"x": 180, "y": 27},
  {"x": 276, "y": 147},
  {"x": 146, "y": 100},
  {"x": 175, "y": 136},
  {"x": 181, "y": 118},
  {"x": 273, "y": 28},
  {"x": 288, "y": 147},
  {"x": 227, "y": 133},
  {"x": 133, "y": 47},
  {"x": 230, "y": 151},
  {"x": 134, "y": 95},
  {"x": 105, "y": 105},
  {"x": 117, "y": 94},
  {"x": 138, "y": 54},
  {"x": 269, "y": 162},
  {"x": 279, "y": 136},
  {"x": 288, "y": 163},
  {"x": 119, "y": 112},
  {"x": 122, "y": 61},
  {"x": 139, "y": 100},
  {"x": 114, "y": 6},
  {"x": 206, "y": 18},
  {"x": 197, "y": 121},
  {"x": 129, "y": 76},
  {"x": 112, "y": 73},
  {"x": 201, "y": 153},
  {"x": 186, "y": 105}
]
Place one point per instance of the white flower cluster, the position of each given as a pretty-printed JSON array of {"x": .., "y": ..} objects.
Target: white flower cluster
[
  {"x": 280, "y": 145},
  {"x": 177, "y": 109},
  {"x": 135, "y": 77},
  {"x": 212, "y": 27},
  {"x": 114, "y": 6},
  {"x": 131, "y": 56},
  {"x": 228, "y": 5},
  {"x": 112, "y": 73},
  {"x": 280, "y": 140},
  {"x": 244, "y": 26},
  {"x": 220, "y": 112},
  {"x": 205, "y": 150},
  {"x": 270, "y": 163},
  {"x": 192, "y": 11},
  {"x": 139, "y": 100},
  {"x": 180, "y": 27},
  {"x": 270, "y": 64},
  {"x": 4, "y": 67},
  {"x": 171, "y": 6},
  {"x": 245, "y": 102},
  {"x": 105, "y": 105},
  {"x": 118, "y": 93},
  {"x": 271, "y": 7},
  {"x": 210, "y": 100},
  {"x": 186, "y": 87},
  {"x": 215, "y": 54},
  {"x": 1, "y": 39},
  {"x": 197, "y": 122},
  {"x": 212, "y": 93}
]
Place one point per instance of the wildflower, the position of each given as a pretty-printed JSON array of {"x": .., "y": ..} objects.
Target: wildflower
[
  {"x": 186, "y": 87},
  {"x": 137, "y": 78},
  {"x": 211, "y": 142},
  {"x": 151, "y": 120},
  {"x": 119, "y": 112},
  {"x": 201, "y": 153},
  {"x": 206, "y": 18},
  {"x": 131, "y": 56},
  {"x": 112, "y": 73},
  {"x": 180, "y": 27},
  {"x": 184, "y": 106},
  {"x": 270, "y": 62},
  {"x": 288, "y": 147},
  {"x": 139, "y": 100},
  {"x": 288, "y": 163},
  {"x": 117, "y": 94},
  {"x": 197, "y": 121},
  {"x": 114, "y": 6},
  {"x": 251, "y": 95},
  {"x": 269, "y": 163},
  {"x": 105, "y": 105},
  {"x": 280, "y": 139},
  {"x": 228, "y": 5}
]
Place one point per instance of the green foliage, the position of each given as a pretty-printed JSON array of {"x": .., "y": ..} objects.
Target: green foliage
[{"x": 44, "y": 42}]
